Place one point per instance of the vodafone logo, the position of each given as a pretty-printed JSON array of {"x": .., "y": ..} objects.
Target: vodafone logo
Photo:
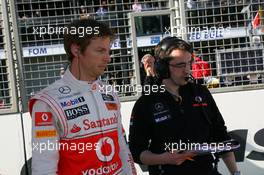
[
  {"x": 43, "y": 119},
  {"x": 106, "y": 149}
]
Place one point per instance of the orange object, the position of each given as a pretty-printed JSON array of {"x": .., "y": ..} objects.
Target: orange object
[
  {"x": 189, "y": 158},
  {"x": 111, "y": 106},
  {"x": 45, "y": 133}
]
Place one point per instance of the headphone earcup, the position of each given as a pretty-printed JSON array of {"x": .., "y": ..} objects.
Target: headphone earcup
[{"x": 162, "y": 69}]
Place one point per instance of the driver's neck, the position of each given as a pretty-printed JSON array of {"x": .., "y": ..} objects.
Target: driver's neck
[{"x": 79, "y": 73}]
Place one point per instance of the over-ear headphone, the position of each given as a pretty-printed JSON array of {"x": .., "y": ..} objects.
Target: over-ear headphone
[
  {"x": 162, "y": 68},
  {"x": 162, "y": 57}
]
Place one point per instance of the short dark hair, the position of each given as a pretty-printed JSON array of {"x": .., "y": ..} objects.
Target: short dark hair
[
  {"x": 166, "y": 45},
  {"x": 90, "y": 28}
]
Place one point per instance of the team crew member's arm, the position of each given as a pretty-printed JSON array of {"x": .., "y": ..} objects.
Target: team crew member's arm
[
  {"x": 139, "y": 131},
  {"x": 220, "y": 134},
  {"x": 230, "y": 162},
  {"x": 149, "y": 158},
  {"x": 139, "y": 137},
  {"x": 44, "y": 140},
  {"x": 219, "y": 128}
]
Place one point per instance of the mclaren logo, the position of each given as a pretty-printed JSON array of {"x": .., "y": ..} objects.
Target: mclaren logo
[
  {"x": 106, "y": 149},
  {"x": 198, "y": 99}
]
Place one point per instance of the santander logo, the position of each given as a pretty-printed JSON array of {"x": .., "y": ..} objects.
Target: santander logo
[
  {"x": 75, "y": 129},
  {"x": 106, "y": 149}
]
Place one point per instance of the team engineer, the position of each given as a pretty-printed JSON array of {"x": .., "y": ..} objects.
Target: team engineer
[
  {"x": 76, "y": 113},
  {"x": 184, "y": 113}
]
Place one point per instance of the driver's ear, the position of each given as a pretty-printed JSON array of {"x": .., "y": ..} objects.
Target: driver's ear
[{"x": 75, "y": 50}]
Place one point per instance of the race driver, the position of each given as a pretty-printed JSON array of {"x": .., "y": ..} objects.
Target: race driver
[{"x": 76, "y": 122}]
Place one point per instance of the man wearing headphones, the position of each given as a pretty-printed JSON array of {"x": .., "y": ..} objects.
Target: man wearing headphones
[
  {"x": 76, "y": 122},
  {"x": 164, "y": 125}
]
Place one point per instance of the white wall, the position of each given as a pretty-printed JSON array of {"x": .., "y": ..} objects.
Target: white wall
[
  {"x": 244, "y": 110},
  {"x": 11, "y": 147}
]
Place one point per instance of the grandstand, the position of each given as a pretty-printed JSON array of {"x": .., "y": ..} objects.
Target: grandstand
[
  {"x": 227, "y": 36},
  {"x": 221, "y": 32}
]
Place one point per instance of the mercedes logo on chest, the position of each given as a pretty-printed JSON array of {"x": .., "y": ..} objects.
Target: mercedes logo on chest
[
  {"x": 159, "y": 106},
  {"x": 65, "y": 89}
]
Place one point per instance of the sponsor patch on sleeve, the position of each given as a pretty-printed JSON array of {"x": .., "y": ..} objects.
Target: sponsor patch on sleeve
[
  {"x": 45, "y": 133},
  {"x": 43, "y": 119},
  {"x": 108, "y": 97},
  {"x": 199, "y": 104},
  {"x": 111, "y": 106}
]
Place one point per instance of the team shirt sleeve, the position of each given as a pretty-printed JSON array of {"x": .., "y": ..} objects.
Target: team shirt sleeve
[{"x": 45, "y": 139}]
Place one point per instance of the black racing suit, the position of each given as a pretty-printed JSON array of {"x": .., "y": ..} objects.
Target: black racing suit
[{"x": 158, "y": 121}]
